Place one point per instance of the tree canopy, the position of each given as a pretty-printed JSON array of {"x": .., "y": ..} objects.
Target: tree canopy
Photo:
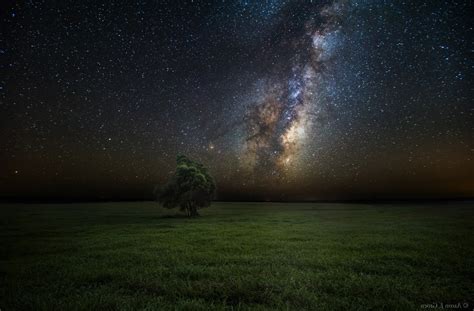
[{"x": 190, "y": 188}]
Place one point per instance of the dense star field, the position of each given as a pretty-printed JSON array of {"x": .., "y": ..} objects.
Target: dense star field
[{"x": 280, "y": 99}]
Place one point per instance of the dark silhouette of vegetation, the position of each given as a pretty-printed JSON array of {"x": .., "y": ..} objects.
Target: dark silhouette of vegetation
[{"x": 191, "y": 187}]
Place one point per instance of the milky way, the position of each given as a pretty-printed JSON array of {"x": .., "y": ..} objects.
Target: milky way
[{"x": 281, "y": 123}]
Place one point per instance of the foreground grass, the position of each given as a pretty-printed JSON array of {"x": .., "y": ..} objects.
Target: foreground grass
[{"x": 237, "y": 256}]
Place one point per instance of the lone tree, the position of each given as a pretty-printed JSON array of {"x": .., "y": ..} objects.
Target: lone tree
[{"x": 191, "y": 187}]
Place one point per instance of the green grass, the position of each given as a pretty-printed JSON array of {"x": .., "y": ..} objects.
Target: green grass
[{"x": 237, "y": 256}]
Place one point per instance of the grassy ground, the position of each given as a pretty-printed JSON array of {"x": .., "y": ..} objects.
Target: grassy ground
[{"x": 237, "y": 256}]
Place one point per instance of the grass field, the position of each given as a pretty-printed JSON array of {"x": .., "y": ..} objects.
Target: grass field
[{"x": 237, "y": 256}]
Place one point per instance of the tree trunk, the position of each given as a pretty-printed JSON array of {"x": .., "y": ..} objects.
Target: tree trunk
[{"x": 194, "y": 212}]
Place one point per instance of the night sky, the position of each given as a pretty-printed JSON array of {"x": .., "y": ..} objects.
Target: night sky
[{"x": 282, "y": 100}]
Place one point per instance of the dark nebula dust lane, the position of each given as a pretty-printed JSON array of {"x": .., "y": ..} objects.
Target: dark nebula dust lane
[
  {"x": 281, "y": 99},
  {"x": 281, "y": 123}
]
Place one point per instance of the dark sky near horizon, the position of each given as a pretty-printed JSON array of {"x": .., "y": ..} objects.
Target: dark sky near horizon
[{"x": 281, "y": 99}]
